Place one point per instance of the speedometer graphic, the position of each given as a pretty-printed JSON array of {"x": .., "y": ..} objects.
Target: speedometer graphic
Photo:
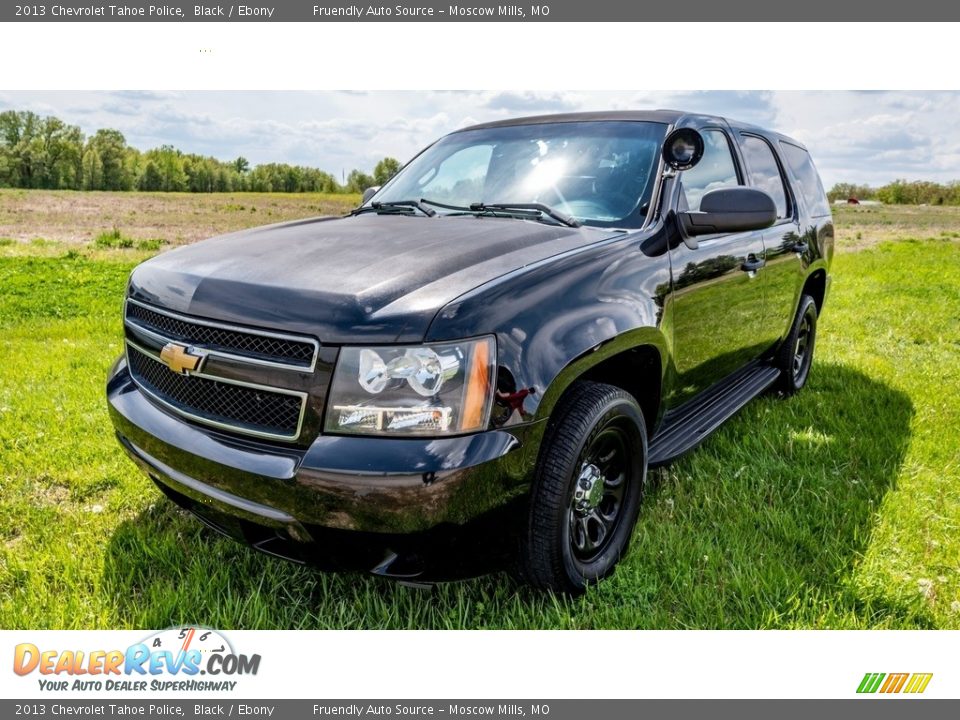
[{"x": 183, "y": 639}]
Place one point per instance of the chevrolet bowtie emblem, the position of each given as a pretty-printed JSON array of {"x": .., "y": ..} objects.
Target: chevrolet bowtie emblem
[{"x": 178, "y": 358}]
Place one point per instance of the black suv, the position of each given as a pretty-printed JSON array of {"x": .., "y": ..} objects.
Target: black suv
[{"x": 484, "y": 358}]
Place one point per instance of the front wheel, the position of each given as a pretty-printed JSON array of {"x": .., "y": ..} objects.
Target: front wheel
[
  {"x": 587, "y": 489},
  {"x": 796, "y": 353}
]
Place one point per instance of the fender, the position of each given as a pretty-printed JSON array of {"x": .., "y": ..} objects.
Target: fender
[
  {"x": 645, "y": 337},
  {"x": 557, "y": 319},
  {"x": 821, "y": 241}
]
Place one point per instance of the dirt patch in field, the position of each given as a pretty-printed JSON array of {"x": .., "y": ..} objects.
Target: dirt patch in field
[
  {"x": 178, "y": 218},
  {"x": 861, "y": 227},
  {"x": 175, "y": 218}
]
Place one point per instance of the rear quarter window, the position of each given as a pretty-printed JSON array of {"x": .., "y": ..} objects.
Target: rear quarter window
[
  {"x": 763, "y": 171},
  {"x": 807, "y": 179}
]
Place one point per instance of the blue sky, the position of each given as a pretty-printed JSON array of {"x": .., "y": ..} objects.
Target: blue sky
[{"x": 865, "y": 137}]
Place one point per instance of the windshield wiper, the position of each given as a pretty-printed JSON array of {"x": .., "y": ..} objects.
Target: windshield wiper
[
  {"x": 395, "y": 206},
  {"x": 524, "y": 210},
  {"x": 439, "y": 204},
  {"x": 533, "y": 209}
]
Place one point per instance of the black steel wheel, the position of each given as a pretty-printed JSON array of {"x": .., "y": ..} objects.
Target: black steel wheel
[
  {"x": 795, "y": 355},
  {"x": 596, "y": 503},
  {"x": 587, "y": 489}
]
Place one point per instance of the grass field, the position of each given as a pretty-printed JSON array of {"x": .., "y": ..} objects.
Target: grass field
[{"x": 839, "y": 508}]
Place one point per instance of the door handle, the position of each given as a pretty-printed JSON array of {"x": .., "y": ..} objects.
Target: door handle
[
  {"x": 800, "y": 247},
  {"x": 752, "y": 264}
]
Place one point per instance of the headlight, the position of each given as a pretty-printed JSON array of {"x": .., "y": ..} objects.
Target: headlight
[{"x": 437, "y": 389}]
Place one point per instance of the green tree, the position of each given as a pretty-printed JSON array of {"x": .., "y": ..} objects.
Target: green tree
[
  {"x": 358, "y": 181},
  {"x": 60, "y": 147},
  {"x": 111, "y": 147},
  {"x": 224, "y": 179},
  {"x": 169, "y": 164},
  {"x": 5, "y": 180},
  {"x": 45, "y": 152},
  {"x": 133, "y": 163},
  {"x": 384, "y": 170},
  {"x": 843, "y": 191},
  {"x": 17, "y": 130},
  {"x": 92, "y": 170},
  {"x": 151, "y": 180},
  {"x": 201, "y": 173}
]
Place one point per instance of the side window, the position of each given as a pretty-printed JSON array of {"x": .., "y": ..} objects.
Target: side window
[
  {"x": 763, "y": 171},
  {"x": 715, "y": 170},
  {"x": 808, "y": 181}
]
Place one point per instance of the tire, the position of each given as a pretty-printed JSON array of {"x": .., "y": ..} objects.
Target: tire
[
  {"x": 580, "y": 521},
  {"x": 795, "y": 355}
]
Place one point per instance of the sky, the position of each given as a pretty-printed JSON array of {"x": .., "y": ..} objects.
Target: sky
[{"x": 863, "y": 137}]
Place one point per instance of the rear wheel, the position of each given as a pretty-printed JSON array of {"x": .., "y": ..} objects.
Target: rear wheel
[
  {"x": 795, "y": 355},
  {"x": 587, "y": 489}
]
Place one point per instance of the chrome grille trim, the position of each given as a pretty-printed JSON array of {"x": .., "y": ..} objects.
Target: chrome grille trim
[
  {"x": 214, "y": 350},
  {"x": 235, "y": 428}
]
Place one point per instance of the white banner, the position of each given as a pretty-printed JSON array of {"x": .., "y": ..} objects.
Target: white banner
[{"x": 449, "y": 664}]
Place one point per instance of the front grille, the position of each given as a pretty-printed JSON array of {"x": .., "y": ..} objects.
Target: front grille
[
  {"x": 230, "y": 340},
  {"x": 237, "y": 407}
]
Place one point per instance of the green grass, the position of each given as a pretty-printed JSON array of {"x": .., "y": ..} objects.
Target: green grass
[
  {"x": 115, "y": 240},
  {"x": 839, "y": 508}
]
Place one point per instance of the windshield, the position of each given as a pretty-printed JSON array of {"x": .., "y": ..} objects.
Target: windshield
[{"x": 601, "y": 173}]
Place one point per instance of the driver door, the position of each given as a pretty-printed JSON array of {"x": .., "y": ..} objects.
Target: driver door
[{"x": 718, "y": 303}]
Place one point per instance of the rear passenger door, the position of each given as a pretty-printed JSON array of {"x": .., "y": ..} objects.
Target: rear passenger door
[
  {"x": 718, "y": 303},
  {"x": 783, "y": 269}
]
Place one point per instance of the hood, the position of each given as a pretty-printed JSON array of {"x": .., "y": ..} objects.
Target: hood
[{"x": 370, "y": 278}]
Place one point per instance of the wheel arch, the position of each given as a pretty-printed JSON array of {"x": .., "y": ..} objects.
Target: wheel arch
[
  {"x": 815, "y": 286},
  {"x": 634, "y": 362}
]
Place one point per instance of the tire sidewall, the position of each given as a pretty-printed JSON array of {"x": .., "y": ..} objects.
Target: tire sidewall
[
  {"x": 808, "y": 308},
  {"x": 580, "y": 573},
  {"x": 788, "y": 384}
]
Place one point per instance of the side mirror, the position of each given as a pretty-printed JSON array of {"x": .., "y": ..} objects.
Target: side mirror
[
  {"x": 731, "y": 209},
  {"x": 683, "y": 148},
  {"x": 369, "y": 193}
]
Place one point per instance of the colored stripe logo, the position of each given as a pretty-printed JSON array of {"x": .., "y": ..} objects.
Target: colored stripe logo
[{"x": 912, "y": 683}]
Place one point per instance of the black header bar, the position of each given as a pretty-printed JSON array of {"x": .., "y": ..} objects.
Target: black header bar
[{"x": 853, "y": 11}]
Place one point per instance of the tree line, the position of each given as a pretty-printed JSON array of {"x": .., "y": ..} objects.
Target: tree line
[
  {"x": 47, "y": 153},
  {"x": 900, "y": 192}
]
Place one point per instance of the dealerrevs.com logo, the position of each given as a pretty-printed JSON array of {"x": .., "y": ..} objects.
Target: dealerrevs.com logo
[
  {"x": 178, "y": 659},
  {"x": 892, "y": 683}
]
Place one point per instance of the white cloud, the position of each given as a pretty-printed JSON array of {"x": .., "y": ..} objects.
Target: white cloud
[
  {"x": 528, "y": 101},
  {"x": 876, "y": 137},
  {"x": 145, "y": 95}
]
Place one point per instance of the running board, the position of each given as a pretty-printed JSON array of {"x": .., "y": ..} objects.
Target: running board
[{"x": 685, "y": 427}]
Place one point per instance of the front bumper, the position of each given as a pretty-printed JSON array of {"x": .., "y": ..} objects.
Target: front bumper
[{"x": 398, "y": 507}]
